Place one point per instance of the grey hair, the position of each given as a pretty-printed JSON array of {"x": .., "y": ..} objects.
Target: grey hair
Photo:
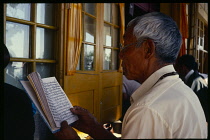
[{"x": 164, "y": 32}]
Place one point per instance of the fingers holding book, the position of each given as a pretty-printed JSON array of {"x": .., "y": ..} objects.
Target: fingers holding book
[
  {"x": 66, "y": 132},
  {"x": 86, "y": 122}
]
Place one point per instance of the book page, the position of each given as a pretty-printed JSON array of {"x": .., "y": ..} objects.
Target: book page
[
  {"x": 37, "y": 84},
  {"x": 31, "y": 93},
  {"x": 58, "y": 102}
]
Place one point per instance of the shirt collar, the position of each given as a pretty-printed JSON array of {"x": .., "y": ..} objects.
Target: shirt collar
[
  {"x": 188, "y": 75},
  {"x": 149, "y": 82}
]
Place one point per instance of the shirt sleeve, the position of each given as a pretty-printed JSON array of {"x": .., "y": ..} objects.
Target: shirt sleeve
[
  {"x": 143, "y": 122},
  {"x": 198, "y": 84}
]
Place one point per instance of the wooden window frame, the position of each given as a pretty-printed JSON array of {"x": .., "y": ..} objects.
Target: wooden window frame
[
  {"x": 84, "y": 13},
  {"x": 32, "y": 25},
  {"x": 113, "y": 48},
  {"x": 98, "y": 45}
]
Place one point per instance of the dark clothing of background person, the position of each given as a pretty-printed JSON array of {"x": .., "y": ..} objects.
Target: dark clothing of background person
[
  {"x": 201, "y": 91},
  {"x": 18, "y": 114}
]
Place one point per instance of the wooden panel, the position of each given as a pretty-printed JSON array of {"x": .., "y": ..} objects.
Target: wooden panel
[
  {"x": 111, "y": 79},
  {"x": 80, "y": 82},
  {"x": 111, "y": 114},
  {"x": 85, "y": 99},
  {"x": 110, "y": 97},
  {"x": 83, "y": 90}
]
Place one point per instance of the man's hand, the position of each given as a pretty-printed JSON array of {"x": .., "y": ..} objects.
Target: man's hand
[
  {"x": 66, "y": 132},
  {"x": 86, "y": 122}
]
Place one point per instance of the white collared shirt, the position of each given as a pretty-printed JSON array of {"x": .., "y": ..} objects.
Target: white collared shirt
[{"x": 168, "y": 109}]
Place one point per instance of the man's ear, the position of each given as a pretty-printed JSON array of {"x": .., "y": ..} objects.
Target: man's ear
[{"x": 149, "y": 48}]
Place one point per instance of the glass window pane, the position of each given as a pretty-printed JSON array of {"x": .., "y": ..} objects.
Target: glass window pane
[
  {"x": 201, "y": 33},
  {"x": 16, "y": 71},
  {"x": 201, "y": 25},
  {"x": 89, "y": 29},
  {"x": 193, "y": 19},
  {"x": 115, "y": 14},
  {"x": 187, "y": 9},
  {"x": 191, "y": 52},
  {"x": 45, "y": 69},
  {"x": 79, "y": 63},
  {"x": 17, "y": 39},
  {"x": 198, "y": 40},
  {"x": 107, "y": 12},
  {"x": 206, "y": 7},
  {"x": 17, "y": 10},
  {"x": 90, "y": 8},
  {"x": 198, "y": 32},
  {"x": 115, "y": 60},
  {"x": 107, "y": 35},
  {"x": 116, "y": 37},
  {"x": 44, "y": 43},
  {"x": 107, "y": 59},
  {"x": 45, "y": 13},
  {"x": 201, "y": 41},
  {"x": 88, "y": 57}
]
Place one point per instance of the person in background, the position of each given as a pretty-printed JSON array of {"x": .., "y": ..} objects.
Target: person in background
[
  {"x": 129, "y": 87},
  {"x": 203, "y": 75},
  {"x": 188, "y": 71},
  {"x": 163, "y": 106},
  {"x": 18, "y": 114}
]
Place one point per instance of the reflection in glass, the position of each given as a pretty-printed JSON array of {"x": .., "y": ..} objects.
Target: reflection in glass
[
  {"x": 90, "y": 8},
  {"x": 16, "y": 71},
  {"x": 115, "y": 37},
  {"x": 198, "y": 38},
  {"x": 201, "y": 33},
  {"x": 19, "y": 10},
  {"x": 44, "y": 13},
  {"x": 45, "y": 69},
  {"x": 201, "y": 42},
  {"x": 17, "y": 39},
  {"x": 114, "y": 63},
  {"x": 89, "y": 29},
  {"x": 107, "y": 12},
  {"x": 107, "y": 35},
  {"x": 44, "y": 43},
  {"x": 88, "y": 57},
  {"x": 115, "y": 14},
  {"x": 201, "y": 25},
  {"x": 79, "y": 64},
  {"x": 107, "y": 59}
]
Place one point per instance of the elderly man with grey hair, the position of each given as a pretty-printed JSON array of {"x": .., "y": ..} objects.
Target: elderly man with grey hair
[{"x": 163, "y": 106}]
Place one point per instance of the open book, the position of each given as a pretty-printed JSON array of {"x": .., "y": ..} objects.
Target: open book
[{"x": 50, "y": 100}]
